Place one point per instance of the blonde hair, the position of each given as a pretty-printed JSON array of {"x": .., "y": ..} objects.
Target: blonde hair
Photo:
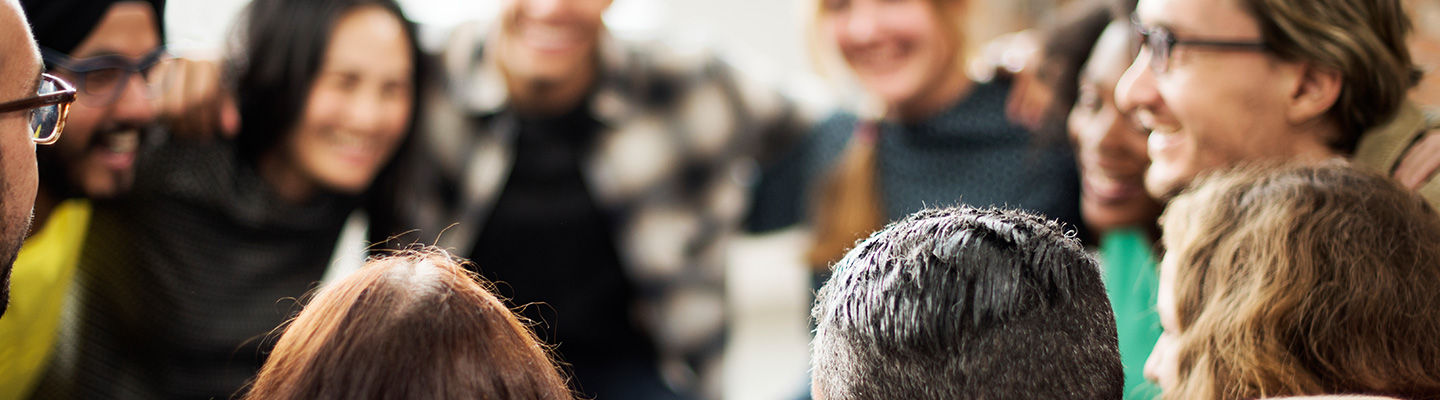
[
  {"x": 1363, "y": 39},
  {"x": 1302, "y": 281}
]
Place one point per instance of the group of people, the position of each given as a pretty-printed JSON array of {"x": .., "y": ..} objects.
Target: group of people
[{"x": 194, "y": 230}]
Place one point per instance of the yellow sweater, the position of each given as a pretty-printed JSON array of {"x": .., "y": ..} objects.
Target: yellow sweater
[{"x": 42, "y": 276}]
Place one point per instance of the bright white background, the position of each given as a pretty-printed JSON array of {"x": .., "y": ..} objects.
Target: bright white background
[{"x": 765, "y": 29}]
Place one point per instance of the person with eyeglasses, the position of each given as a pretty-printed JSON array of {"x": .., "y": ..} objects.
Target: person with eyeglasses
[
  {"x": 105, "y": 48},
  {"x": 1218, "y": 83},
  {"x": 41, "y": 102}
]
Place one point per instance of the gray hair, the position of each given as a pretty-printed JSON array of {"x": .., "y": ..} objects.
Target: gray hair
[{"x": 966, "y": 303}]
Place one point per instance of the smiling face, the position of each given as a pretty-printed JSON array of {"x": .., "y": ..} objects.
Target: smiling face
[
  {"x": 902, "y": 51},
  {"x": 20, "y": 69},
  {"x": 1110, "y": 148},
  {"x": 96, "y": 155},
  {"x": 1212, "y": 108},
  {"x": 359, "y": 105},
  {"x": 550, "y": 40}
]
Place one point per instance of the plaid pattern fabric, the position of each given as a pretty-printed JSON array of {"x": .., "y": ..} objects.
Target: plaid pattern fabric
[{"x": 671, "y": 164}]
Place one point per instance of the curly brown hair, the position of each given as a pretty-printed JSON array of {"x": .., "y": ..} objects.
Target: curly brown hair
[{"x": 1303, "y": 280}]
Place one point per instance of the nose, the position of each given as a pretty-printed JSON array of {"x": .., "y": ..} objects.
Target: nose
[
  {"x": 364, "y": 111},
  {"x": 1114, "y": 140},
  {"x": 541, "y": 9},
  {"x": 860, "y": 25},
  {"x": 1137, "y": 86},
  {"x": 134, "y": 105}
]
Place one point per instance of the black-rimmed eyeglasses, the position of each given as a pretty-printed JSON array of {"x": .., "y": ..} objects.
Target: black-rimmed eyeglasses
[
  {"x": 1161, "y": 42},
  {"x": 47, "y": 109},
  {"x": 103, "y": 78}
]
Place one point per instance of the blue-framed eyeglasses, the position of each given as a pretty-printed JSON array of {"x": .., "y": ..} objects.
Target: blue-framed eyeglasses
[{"x": 102, "y": 79}]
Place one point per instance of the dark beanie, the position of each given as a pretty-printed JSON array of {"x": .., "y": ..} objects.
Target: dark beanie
[{"x": 61, "y": 25}]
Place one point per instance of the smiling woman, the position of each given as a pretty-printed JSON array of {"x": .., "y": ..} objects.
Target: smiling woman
[
  {"x": 355, "y": 116},
  {"x": 940, "y": 137},
  {"x": 181, "y": 278}
]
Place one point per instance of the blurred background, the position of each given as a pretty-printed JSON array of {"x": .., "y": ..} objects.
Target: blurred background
[{"x": 768, "y": 283}]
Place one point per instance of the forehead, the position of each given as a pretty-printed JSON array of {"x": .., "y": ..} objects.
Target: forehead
[
  {"x": 369, "y": 36},
  {"x": 129, "y": 28},
  {"x": 1211, "y": 17},
  {"x": 19, "y": 58},
  {"x": 581, "y": 8}
]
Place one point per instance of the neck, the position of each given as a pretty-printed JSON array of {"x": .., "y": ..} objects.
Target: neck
[
  {"x": 950, "y": 88},
  {"x": 284, "y": 179},
  {"x": 1313, "y": 143},
  {"x": 540, "y": 96}
]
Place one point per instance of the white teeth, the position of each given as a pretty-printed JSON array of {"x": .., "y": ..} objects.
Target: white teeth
[
  {"x": 123, "y": 142},
  {"x": 1160, "y": 139}
]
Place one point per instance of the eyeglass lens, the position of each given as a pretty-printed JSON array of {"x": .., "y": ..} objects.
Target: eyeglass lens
[
  {"x": 45, "y": 122},
  {"x": 1158, "y": 41},
  {"x": 103, "y": 86}
]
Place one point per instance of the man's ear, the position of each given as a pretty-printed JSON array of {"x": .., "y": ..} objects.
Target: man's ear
[{"x": 1316, "y": 90}]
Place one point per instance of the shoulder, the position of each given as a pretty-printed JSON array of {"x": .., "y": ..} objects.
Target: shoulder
[
  {"x": 838, "y": 123},
  {"x": 1381, "y": 147}
]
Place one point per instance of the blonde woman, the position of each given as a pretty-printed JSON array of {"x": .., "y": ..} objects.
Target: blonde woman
[
  {"x": 930, "y": 136},
  {"x": 1288, "y": 281}
]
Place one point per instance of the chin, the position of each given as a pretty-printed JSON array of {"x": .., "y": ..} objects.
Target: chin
[
  {"x": 109, "y": 192},
  {"x": 349, "y": 186},
  {"x": 891, "y": 93},
  {"x": 1163, "y": 188}
]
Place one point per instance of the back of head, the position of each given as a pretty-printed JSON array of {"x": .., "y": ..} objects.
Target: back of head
[
  {"x": 1363, "y": 39},
  {"x": 966, "y": 303},
  {"x": 414, "y": 325},
  {"x": 1304, "y": 280}
]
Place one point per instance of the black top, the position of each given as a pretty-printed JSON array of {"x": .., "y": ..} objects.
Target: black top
[
  {"x": 547, "y": 241},
  {"x": 181, "y": 285}
]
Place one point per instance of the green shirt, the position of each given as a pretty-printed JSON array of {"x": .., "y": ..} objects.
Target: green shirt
[{"x": 1130, "y": 277}]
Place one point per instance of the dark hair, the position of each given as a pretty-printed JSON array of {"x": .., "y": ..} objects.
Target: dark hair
[
  {"x": 413, "y": 325},
  {"x": 1066, "y": 49},
  {"x": 283, "y": 44},
  {"x": 966, "y": 303}
]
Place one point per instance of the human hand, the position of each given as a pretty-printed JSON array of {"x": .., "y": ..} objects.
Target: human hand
[
  {"x": 194, "y": 104},
  {"x": 1420, "y": 162},
  {"x": 1016, "y": 57}
]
